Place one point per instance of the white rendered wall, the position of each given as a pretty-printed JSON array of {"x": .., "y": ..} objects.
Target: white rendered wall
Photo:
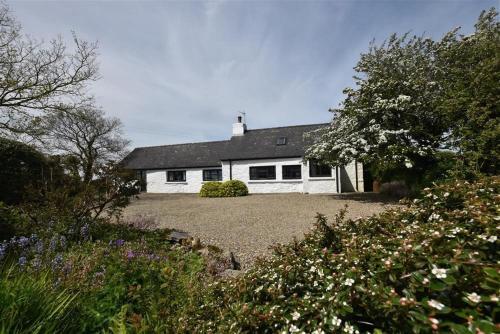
[
  {"x": 157, "y": 181},
  {"x": 349, "y": 178},
  {"x": 320, "y": 185},
  {"x": 241, "y": 171}
]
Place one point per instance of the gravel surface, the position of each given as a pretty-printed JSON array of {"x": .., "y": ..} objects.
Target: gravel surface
[{"x": 247, "y": 226}]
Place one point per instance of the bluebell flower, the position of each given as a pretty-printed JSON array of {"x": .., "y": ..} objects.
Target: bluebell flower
[
  {"x": 3, "y": 250},
  {"x": 39, "y": 247},
  {"x": 22, "y": 261},
  {"x": 57, "y": 262},
  {"x": 120, "y": 242},
  {"x": 23, "y": 242},
  {"x": 53, "y": 244},
  {"x": 84, "y": 231},
  {"x": 63, "y": 242}
]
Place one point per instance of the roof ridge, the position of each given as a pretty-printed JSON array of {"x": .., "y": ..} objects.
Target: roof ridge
[
  {"x": 288, "y": 126},
  {"x": 200, "y": 142}
]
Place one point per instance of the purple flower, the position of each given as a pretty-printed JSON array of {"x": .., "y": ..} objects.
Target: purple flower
[
  {"x": 3, "y": 250},
  {"x": 84, "y": 231},
  {"x": 23, "y": 242},
  {"x": 62, "y": 242},
  {"x": 22, "y": 261},
  {"x": 130, "y": 255},
  {"x": 39, "y": 247},
  {"x": 57, "y": 262},
  {"x": 120, "y": 242},
  {"x": 53, "y": 244}
]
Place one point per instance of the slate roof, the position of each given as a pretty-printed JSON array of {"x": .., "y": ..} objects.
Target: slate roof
[{"x": 254, "y": 144}]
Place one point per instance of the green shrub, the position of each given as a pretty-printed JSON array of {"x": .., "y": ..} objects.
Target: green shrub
[
  {"x": 429, "y": 267},
  {"x": 230, "y": 188},
  {"x": 233, "y": 188},
  {"x": 211, "y": 189}
]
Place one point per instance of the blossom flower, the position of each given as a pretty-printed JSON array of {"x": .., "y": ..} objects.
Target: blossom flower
[
  {"x": 492, "y": 239},
  {"x": 474, "y": 297},
  {"x": 295, "y": 315},
  {"x": 336, "y": 321},
  {"x": 293, "y": 329},
  {"x": 349, "y": 282},
  {"x": 435, "y": 304},
  {"x": 439, "y": 272}
]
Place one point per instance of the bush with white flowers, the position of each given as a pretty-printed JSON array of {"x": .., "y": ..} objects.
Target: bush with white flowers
[{"x": 432, "y": 266}]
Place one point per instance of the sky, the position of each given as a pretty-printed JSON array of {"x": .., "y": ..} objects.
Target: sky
[{"x": 181, "y": 71}]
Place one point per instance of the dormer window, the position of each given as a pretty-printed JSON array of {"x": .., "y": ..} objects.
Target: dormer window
[{"x": 281, "y": 141}]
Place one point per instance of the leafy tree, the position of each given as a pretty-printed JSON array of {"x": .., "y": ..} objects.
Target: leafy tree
[
  {"x": 472, "y": 93},
  {"x": 21, "y": 167},
  {"x": 86, "y": 134},
  {"x": 36, "y": 77},
  {"x": 414, "y": 97}
]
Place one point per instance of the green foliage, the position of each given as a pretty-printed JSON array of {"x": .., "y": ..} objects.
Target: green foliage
[
  {"x": 112, "y": 277},
  {"x": 12, "y": 222},
  {"x": 472, "y": 93},
  {"x": 30, "y": 304},
  {"x": 211, "y": 189},
  {"x": 230, "y": 188},
  {"x": 21, "y": 166},
  {"x": 429, "y": 267},
  {"x": 233, "y": 188}
]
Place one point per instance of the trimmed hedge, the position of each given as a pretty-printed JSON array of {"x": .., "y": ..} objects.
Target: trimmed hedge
[
  {"x": 210, "y": 189},
  {"x": 231, "y": 188}
]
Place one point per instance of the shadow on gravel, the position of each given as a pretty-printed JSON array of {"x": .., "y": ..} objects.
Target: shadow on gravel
[{"x": 367, "y": 198}]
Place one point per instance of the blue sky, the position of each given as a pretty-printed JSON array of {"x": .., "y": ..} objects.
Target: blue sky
[{"x": 178, "y": 72}]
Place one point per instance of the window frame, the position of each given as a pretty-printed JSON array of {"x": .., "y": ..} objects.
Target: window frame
[
  {"x": 283, "y": 167},
  {"x": 251, "y": 176},
  {"x": 219, "y": 174},
  {"x": 183, "y": 171},
  {"x": 278, "y": 143},
  {"x": 315, "y": 165}
]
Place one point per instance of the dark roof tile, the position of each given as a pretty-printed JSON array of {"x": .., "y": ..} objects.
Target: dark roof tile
[{"x": 254, "y": 144}]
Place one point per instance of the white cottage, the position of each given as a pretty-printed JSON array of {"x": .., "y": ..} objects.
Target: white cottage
[{"x": 268, "y": 160}]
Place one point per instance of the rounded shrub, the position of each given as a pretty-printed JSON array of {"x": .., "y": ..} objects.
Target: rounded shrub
[
  {"x": 211, "y": 189},
  {"x": 233, "y": 188}
]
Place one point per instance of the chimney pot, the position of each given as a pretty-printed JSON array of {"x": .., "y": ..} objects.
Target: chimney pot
[{"x": 239, "y": 119}]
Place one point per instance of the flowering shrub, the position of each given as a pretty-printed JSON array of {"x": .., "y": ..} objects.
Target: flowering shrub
[{"x": 429, "y": 267}]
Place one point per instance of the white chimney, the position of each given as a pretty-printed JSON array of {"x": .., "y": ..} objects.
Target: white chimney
[{"x": 239, "y": 128}]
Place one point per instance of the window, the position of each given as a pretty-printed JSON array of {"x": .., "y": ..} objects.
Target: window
[
  {"x": 176, "y": 176},
  {"x": 319, "y": 170},
  {"x": 263, "y": 173},
  {"x": 281, "y": 141},
  {"x": 292, "y": 172},
  {"x": 212, "y": 175}
]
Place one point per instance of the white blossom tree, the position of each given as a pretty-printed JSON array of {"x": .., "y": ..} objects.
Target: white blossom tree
[{"x": 394, "y": 117}]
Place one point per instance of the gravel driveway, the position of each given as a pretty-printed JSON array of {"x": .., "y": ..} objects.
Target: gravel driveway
[{"x": 247, "y": 226}]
